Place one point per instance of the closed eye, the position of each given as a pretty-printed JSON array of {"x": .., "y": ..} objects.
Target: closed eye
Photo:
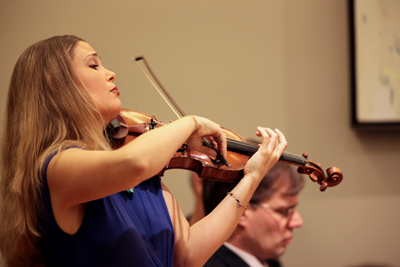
[{"x": 94, "y": 66}]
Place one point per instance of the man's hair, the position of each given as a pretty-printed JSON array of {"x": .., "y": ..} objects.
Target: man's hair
[{"x": 214, "y": 191}]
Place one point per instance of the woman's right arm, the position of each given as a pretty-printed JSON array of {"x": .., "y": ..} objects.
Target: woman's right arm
[{"x": 77, "y": 176}]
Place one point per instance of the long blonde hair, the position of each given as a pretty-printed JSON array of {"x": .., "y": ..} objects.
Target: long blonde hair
[{"x": 45, "y": 111}]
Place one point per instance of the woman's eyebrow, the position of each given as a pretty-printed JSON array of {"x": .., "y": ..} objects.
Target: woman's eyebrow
[{"x": 92, "y": 55}]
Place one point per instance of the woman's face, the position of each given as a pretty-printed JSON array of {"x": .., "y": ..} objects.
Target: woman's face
[{"x": 97, "y": 80}]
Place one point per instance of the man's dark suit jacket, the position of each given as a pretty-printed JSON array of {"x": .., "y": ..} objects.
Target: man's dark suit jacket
[{"x": 224, "y": 257}]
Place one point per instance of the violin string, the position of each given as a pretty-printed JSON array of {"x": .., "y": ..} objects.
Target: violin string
[
  {"x": 246, "y": 147},
  {"x": 241, "y": 146}
]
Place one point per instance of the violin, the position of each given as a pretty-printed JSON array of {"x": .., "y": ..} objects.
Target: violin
[{"x": 130, "y": 124}]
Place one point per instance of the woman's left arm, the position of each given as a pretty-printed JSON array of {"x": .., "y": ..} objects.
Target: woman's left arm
[{"x": 195, "y": 244}]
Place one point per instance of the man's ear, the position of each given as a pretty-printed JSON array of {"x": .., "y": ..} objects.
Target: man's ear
[{"x": 243, "y": 221}]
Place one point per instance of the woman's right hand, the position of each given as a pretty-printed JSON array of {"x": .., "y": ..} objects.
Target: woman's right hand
[{"x": 205, "y": 128}]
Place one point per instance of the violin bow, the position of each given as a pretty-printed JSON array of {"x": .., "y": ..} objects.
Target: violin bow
[{"x": 219, "y": 160}]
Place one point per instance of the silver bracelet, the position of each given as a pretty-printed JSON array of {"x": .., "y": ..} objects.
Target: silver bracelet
[{"x": 239, "y": 204}]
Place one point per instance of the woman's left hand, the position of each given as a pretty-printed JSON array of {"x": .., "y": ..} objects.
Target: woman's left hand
[{"x": 269, "y": 151}]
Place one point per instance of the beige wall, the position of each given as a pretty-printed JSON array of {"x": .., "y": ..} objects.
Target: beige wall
[{"x": 281, "y": 64}]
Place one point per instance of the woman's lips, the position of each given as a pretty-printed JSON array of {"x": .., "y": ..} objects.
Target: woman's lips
[{"x": 115, "y": 90}]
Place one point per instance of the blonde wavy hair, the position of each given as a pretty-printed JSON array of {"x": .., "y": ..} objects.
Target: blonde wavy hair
[{"x": 46, "y": 111}]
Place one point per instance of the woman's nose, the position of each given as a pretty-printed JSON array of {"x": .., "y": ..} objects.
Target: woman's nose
[{"x": 111, "y": 75}]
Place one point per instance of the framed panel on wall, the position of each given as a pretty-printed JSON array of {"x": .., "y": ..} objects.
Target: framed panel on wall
[{"x": 375, "y": 57}]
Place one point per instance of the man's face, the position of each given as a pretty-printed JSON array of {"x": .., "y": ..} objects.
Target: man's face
[{"x": 269, "y": 226}]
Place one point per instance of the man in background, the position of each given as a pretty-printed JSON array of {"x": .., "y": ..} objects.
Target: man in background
[
  {"x": 266, "y": 226},
  {"x": 198, "y": 212}
]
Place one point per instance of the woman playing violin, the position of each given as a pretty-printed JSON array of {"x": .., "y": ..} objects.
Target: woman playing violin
[{"x": 64, "y": 198}]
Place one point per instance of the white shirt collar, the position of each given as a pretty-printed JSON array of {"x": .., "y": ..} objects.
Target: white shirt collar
[{"x": 251, "y": 260}]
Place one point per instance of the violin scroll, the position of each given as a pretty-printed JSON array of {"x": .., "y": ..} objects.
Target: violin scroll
[
  {"x": 335, "y": 176},
  {"x": 316, "y": 174}
]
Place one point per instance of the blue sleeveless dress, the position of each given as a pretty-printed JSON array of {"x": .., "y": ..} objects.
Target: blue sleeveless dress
[{"x": 119, "y": 230}]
